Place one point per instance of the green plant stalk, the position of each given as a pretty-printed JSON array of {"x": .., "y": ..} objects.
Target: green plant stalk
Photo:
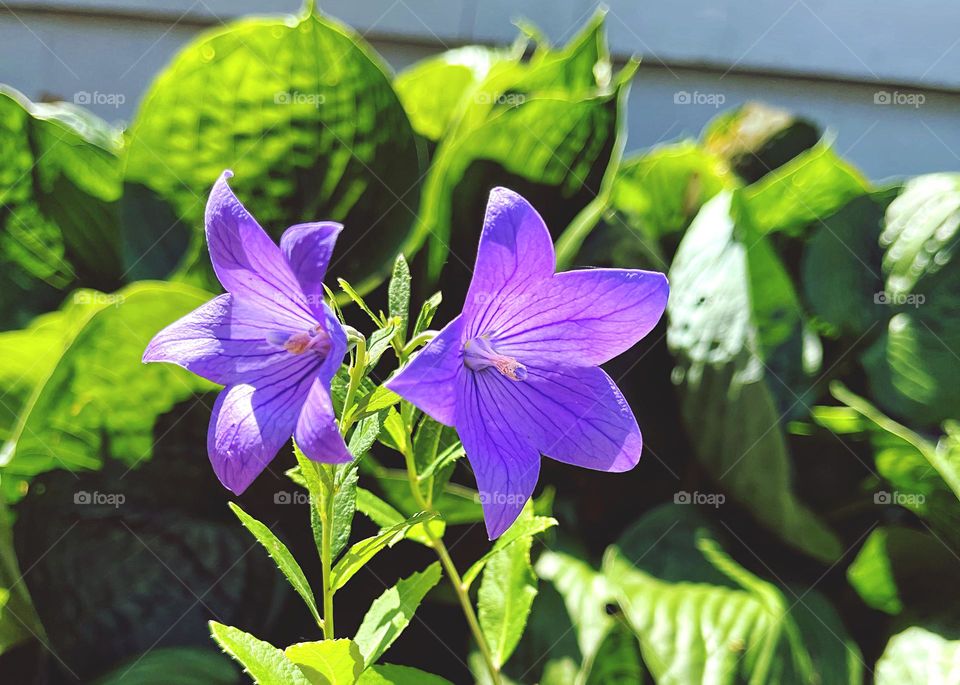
[
  {"x": 451, "y": 569},
  {"x": 325, "y": 506}
]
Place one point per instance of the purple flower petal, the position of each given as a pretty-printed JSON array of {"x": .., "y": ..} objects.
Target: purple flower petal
[
  {"x": 429, "y": 380},
  {"x": 307, "y": 248},
  {"x": 338, "y": 345},
  {"x": 576, "y": 415},
  {"x": 224, "y": 341},
  {"x": 317, "y": 433},
  {"x": 515, "y": 253},
  {"x": 581, "y": 318},
  {"x": 250, "y": 424},
  {"x": 505, "y": 464},
  {"x": 247, "y": 262}
]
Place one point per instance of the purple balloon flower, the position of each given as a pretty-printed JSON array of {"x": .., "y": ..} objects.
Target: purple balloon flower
[
  {"x": 516, "y": 372},
  {"x": 271, "y": 340}
]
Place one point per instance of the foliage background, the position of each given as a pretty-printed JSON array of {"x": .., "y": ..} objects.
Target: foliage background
[{"x": 793, "y": 519}]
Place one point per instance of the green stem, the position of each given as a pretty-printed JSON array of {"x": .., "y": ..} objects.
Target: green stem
[
  {"x": 421, "y": 338},
  {"x": 356, "y": 375},
  {"x": 326, "y": 549},
  {"x": 451, "y": 570}
]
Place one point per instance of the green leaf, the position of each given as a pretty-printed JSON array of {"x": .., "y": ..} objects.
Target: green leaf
[
  {"x": 701, "y": 617},
  {"x": 911, "y": 366},
  {"x": 398, "y": 295},
  {"x": 378, "y": 343},
  {"x": 59, "y": 222},
  {"x": 812, "y": 185},
  {"x": 617, "y": 660},
  {"x": 841, "y": 266},
  {"x": 737, "y": 333},
  {"x": 505, "y": 598},
  {"x": 434, "y": 90},
  {"x": 381, "y": 398},
  {"x": 303, "y": 112},
  {"x": 329, "y": 662},
  {"x": 918, "y": 656},
  {"x": 527, "y": 525},
  {"x": 389, "y": 674},
  {"x": 359, "y": 301},
  {"x": 266, "y": 664},
  {"x": 174, "y": 666},
  {"x": 283, "y": 558},
  {"x": 899, "y": 566},
  {"x": 391, "y": 612},
  {"x": 425, "y": 318},
  {"x": 97, "y": 397},
  {"x": 659, "y": 192},
  {"x": 363, "y": 551},
  {"x": 585, "y": 593}
]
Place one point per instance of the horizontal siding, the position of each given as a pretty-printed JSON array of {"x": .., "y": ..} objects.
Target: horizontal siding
[{"x": 111, "y": 49}]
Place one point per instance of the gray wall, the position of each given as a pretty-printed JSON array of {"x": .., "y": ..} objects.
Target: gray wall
[{"x": 836, "y": 62}]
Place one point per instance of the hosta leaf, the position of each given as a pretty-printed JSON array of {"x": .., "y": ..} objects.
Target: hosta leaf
[
  {"x": 60, "y": 181},
  {"x": 809, "y": 187},
  {"x": 389, "y": 674},
  {"x": 363, "y": 551},
  {"x": 266, "y": 664},
  {"x": 736, "y": 330},
  {"x": 283, "y": 558},
  {"x": 912, "y": 365},
  {"x": 329, "y": 662},
  {"x": 701, "y": 617},
  {"x": 175, "y": 666},
  {"x": 303, "y": 112},
  {"x": 918, "y": 656},
  {"x": 391, "y": 612},
  {"x": 505, "y": 598},
  {"x": 98, "y": 398}
]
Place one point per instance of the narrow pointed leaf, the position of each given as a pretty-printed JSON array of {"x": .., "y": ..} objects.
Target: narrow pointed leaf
[{"x": 266, "y": 664}]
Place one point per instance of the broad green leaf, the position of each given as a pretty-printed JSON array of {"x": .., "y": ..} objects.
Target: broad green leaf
[
  {"x": 389, "y": 674},
  {"x": 918, "y": 656},
  {"x": 585, "y": 593},
  {"x": 911, "y": 367},
  {"x": 329, "y": 662},
  {"x": 506, "y": 595},
  {"x": 59, "y": 192},
  {"x": 899, "y": 566},
  {"x": 925, "y": 477},
  {"x": 175, "y": 666},
  {"x": 398, "y": 295},
  {"x": 18, "y": 618},
  {"x": 659, "y": 192},
  {"x": 435, "y": 90},
  {"x": 736, "y": 331},
  {"x": 841, "y": 271},
  {"x": 551, "y": 120},
  {"x": 701, "y": 617},
  {"x": 303, "y": 112},
  {"x": 97, "y": 397},
  {"x": 283, "y": 558},
  {"x": 527, "y": 525},
  {"x": 391, "y": 612},
  {"x": 381, "y": 398},
  {"x": 812, "y": 185},
  {"x": 266, "y": 664},
  {"x": 396, "y": 431},
  {"x": 617, "y": 660},
  {"x": 756, "y": 139},
  {"x": 363, "y": 551}
]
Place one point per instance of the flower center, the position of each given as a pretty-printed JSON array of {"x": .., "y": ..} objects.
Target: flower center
[
  {"x": 480, "y": 354},
  {"x": 314, "y": 338}
]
